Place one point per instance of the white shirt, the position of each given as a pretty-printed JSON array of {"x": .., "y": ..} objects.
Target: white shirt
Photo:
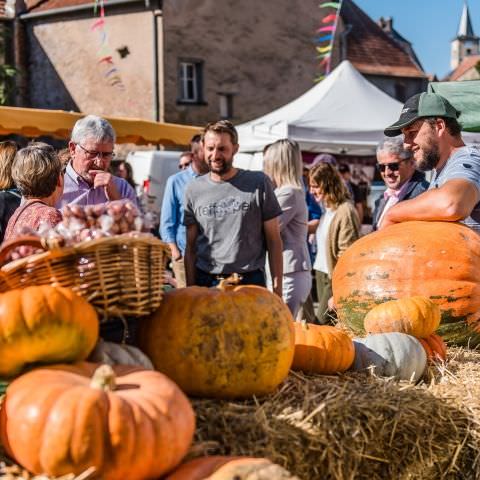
[{"x": 321, "y": 236}]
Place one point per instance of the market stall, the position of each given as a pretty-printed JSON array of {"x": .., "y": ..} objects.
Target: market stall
[
  {"x": 32, "y": 123},
  {"x": 343, "y": 114}
]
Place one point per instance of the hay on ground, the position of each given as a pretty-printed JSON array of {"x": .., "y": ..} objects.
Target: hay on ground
[{"x": 357, "y": 426}]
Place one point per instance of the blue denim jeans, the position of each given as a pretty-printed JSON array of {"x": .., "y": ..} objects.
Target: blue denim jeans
[{"x": 204, "y": 279}]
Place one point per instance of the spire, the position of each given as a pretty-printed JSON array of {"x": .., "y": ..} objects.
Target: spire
[{"x": 465, "y": 28}]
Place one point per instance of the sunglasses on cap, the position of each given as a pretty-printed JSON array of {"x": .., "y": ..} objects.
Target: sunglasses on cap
[{"x": 393, "y": 166}]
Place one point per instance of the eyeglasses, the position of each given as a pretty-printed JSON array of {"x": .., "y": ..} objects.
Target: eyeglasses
[
  {"x": 393, "y": 166},
  {"x": 91, "y": 154},
  {"x": 183, "y": 166}
]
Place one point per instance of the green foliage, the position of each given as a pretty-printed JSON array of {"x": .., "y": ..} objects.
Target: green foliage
[{"x": 7, "y": 72}]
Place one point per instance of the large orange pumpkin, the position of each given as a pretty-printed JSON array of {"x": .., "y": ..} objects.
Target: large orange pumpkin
[
  {"x": 126, "y": 422},
  {"x": 417, "y": 316},
  {"x": 226, "y": 342},
  {"x": 435, "y": 348},
  {"x": 218, "y": 467},
  {"x": 44, "y": 324},
  {"x": 322, "y": 349},
  {"x": 438, "y": 260}
]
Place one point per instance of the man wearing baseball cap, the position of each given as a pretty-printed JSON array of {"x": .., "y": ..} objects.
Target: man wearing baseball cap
[{"x": 431, "y": 131}]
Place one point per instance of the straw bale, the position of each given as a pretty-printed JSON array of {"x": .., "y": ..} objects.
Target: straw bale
[{"x": 357, "y": 426}]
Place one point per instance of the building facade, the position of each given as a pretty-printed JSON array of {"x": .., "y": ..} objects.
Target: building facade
[{"x": 192, "y": 61}]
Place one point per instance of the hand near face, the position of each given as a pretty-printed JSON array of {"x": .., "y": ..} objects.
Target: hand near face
[
  {"x": 100, "y": 178},
  {"x": 105, "y": 180}
]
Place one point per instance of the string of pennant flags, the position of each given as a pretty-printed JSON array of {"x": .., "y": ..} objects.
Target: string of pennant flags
[
  {"x": 105, "y": 58},
  {"x": 326, "y": 36}
]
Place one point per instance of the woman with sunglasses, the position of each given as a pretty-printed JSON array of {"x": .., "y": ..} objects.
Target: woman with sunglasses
[
  {"x": 339, "y": 227},
  {"x": 397, "y": 169}
]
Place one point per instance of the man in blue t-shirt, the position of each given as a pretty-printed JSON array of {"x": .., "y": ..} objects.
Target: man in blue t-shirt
[
  {"x": 431, "y": 131},
  {"x": 172, "y": 230}
]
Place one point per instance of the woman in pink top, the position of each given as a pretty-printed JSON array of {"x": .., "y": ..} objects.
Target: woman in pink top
[{"x": 37, "y": 173}]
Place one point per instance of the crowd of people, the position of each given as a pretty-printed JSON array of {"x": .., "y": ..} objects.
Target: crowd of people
[
  {"x": 260, "y": 224},
  {"x": 284, "y": 228}
]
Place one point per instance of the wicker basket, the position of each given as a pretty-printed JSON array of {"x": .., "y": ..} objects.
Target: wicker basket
[{"x": 121, "y": 275}]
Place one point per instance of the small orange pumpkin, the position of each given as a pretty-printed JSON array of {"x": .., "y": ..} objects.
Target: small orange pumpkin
[
  {"x": 416, "y": 316},
  {"x": 218, "y": 467},
  {"x": 322, "y": 349},
  {"x": 435, "y": 347},
  {"x": 67, "y": 418},
  {"x": 44, "y": 324}
]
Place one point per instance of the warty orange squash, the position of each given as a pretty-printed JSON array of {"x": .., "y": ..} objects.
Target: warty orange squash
[
  {"x": 226, "y": 342},
  {"x": 438, "y": 260}
]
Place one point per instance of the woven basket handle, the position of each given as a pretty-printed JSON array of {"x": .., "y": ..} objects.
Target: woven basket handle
[{"x": 26, "y": 241}]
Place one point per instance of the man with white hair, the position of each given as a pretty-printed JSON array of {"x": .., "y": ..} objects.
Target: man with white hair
[
  {"x": 87, "y": 177},
  {"x": 397, "y": 169}
]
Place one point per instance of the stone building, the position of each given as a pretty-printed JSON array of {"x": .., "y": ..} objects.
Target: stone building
[{"x": 193, "y": 61}]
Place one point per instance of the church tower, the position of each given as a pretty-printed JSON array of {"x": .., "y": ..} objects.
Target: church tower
[{"x": 466, "y": 43}]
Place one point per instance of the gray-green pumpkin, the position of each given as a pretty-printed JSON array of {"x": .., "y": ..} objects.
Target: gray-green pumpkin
[{"x": 394, "y": 354}]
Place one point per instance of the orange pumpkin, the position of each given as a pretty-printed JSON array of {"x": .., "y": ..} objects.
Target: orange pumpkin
[
  {"x": 227, "y": 468},
  {"x": 417, "y": 316},
  {"x": 322, "y": 349},
  {"x": 435, "y": 347},
  {"x": 44, "y": 324},
  {"x": 225, "y": 342},
  {"x": 438, "y": 260},
  {"x": 124, "y": 421}
]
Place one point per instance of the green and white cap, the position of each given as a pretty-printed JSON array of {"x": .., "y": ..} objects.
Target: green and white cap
[{"x": 422, "y": 105}]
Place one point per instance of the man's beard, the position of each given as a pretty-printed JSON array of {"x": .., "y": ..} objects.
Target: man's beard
[
  {"x": 226, "y": 166},
  {"x": 429, "y": 160}
]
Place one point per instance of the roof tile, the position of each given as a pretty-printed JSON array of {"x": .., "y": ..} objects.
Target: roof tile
[
  {"x": 373, "y": 51},
  {"x": 465, "y": 65}
]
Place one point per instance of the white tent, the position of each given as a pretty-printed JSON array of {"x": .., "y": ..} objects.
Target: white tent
[{"x": 344, "y": 113}]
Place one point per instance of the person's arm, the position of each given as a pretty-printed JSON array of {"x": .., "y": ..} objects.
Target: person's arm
[
  {"x": 274, "y": 248},
  {"x": 349, "y": 231},
  {"x": 359, "y": 210},
  {"x": 286, "y": 200},
  {"x": 169, "y": 220},
  {"x": 191, "y": 254},
  {"x": 313, "y": 225},
  {"x": 451, "y": 202}
]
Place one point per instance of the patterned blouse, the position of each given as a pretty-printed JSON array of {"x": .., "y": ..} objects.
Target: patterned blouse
[{"x": 29, "y": 216}]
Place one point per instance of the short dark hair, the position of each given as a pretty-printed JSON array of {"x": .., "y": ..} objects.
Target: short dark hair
[
  {"x": 453, "y": 127},
  {"x": 222, "y": 126},
  {"x": 343, "y": 168},
  {"x": 197, "y": 138}
]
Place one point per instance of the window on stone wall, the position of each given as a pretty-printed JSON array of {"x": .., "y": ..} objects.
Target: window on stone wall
[
  {"x": 190, "y": 81},
  {"x": 225, "y": 105}
]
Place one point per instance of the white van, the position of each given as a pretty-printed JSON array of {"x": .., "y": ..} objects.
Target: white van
[{"x": 151, "y": 168}]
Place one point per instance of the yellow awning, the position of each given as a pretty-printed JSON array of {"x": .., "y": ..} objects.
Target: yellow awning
[{"x": 32, "y": 122}]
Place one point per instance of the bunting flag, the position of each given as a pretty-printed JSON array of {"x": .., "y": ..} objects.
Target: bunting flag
[
  {"x": 325, "y": 39},
  {"x": 105, "y": 58}
]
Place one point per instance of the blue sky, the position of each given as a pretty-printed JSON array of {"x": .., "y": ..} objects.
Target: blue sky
[{"x": 429, "y": 25}]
